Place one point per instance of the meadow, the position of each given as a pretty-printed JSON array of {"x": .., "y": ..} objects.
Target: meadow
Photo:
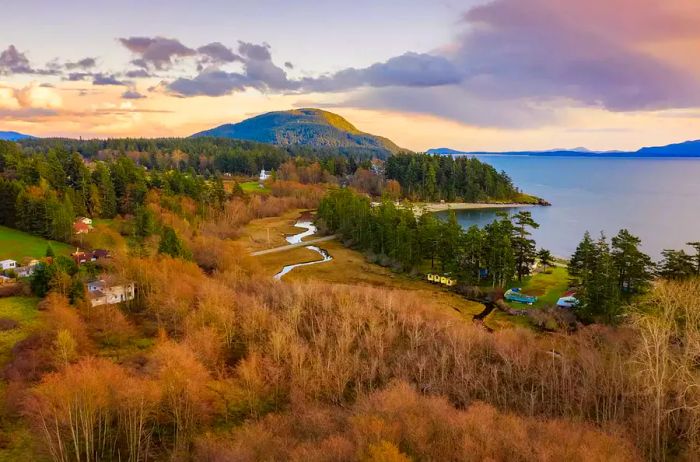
[{"x": 16, "y": 245}]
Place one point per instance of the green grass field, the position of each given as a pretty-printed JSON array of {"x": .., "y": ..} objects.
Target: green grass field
[
  {"x": 16, "y": 245},
  {"x": 253, "y": 187},
  {"x": 547, "y": 287},
  {"x": 23, "y": 311}
]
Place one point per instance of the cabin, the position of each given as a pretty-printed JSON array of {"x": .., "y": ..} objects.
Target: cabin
[
  {"x": 100, "y": 292},
  {"x": 6, "y": 265}
]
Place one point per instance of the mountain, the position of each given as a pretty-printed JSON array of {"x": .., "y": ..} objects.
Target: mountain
[
  {"x": 685, "y": 149},
  {"x": 306, "y": 127},
  {"x": 13, "y": 136}
]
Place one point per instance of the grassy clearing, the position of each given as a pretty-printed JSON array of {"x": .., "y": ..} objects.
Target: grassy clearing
[
  {"x": 16, "y": 245},
  {"x": 267, "y": 233},
  {"x": 253, "y": 187},
  {"x": 547, "y": 287},
  {"x": 347, "y": 266},
  {"x": 22, "y": 310}
]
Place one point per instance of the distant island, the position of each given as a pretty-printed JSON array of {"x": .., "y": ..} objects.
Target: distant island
[
  {"x": 305, "y": 127},
  {"x": 685, "y": 149},
  {"x": 14, "y": 136}
]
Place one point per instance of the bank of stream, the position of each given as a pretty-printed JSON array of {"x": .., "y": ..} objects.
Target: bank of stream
[{"x": 310, "y": 230}]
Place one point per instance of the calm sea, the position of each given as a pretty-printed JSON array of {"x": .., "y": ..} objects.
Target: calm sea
[{"x": 656, "y": 199}]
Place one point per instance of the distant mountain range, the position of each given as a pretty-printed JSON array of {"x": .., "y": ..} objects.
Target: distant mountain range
[
  {"x": 14, "y": 136},
  {"x": 306, "y": 127},
  {"x": 686, "y": 149}
]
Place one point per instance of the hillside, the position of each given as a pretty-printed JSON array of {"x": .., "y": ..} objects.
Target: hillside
[
  {"x": 14, "y": 136},
  {"x": 306, "y": 127}
]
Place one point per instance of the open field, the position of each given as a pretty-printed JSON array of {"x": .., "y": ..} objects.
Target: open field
[
  {"x": 253, "y": 187},
  {"x": 267, "y": 233},
  {"x": 350, "y": 267},
  {"x": 16, "y": 245},
  {"x": 547, "y": 287},
  {"x": 21, "y": 310}
]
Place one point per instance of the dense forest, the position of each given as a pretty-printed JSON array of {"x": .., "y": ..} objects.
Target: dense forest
[{"x": 433, "y": 177}]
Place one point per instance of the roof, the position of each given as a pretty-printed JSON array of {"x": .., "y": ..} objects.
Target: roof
[{"x": 80, "y": 227}]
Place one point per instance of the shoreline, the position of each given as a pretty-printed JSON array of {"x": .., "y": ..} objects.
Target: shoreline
[{"x": 432, "y": 207}]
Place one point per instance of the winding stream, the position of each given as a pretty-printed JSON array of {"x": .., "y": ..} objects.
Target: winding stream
[{"x": 296, "y": 239}]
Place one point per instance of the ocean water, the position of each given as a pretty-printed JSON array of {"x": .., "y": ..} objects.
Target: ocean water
[{"x": 655, "y": 199}]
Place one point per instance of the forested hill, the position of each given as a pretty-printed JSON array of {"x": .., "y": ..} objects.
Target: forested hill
[{"x": 306, "y": 127}]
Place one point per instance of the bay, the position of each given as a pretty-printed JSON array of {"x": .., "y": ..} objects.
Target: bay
[{"x": 656, "y": 199}]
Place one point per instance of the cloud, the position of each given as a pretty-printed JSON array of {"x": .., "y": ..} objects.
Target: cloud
[
  {"x": 258, "y": 72},
  {"x": 105, "y": 79},
  {"x": 12, "y": 61},
  {"x": 85, "y": 63},
  {"x": 209, "y": 82},
  {"x": 407, "y": 70},
  {"x": 156, "y": 52},
  {"x": 216, "y": 52},
  {"x": 138, "y": 74},
  {"x": 132, "y": 94}
]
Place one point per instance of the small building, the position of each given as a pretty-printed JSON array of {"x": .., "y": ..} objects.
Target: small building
[
  {"x": 80, "y": 257},
  {"x": 101, "y": 292},
  {"x": 85, "y": 220},
  {"x": 8, "y": 265},
  {"x": 81, "y": 228},
  {"x": 27, "y": 270}
]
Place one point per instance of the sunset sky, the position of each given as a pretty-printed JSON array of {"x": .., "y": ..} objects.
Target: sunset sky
[{"x": 469, "y": 74}]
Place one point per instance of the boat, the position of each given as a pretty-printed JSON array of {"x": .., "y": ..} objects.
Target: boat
[{"x": 515, "y": 295}]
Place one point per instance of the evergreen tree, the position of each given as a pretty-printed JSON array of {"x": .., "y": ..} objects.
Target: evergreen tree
[
  {"x": 523, "y": 245},
  {"x": 107, "y": 196},
  {"x": 633, "y": 267},
  {"x": 545, "y": 258},
  {"x": 170, "y": 244},
  {"x": 676, "y": 265},
  {"x": 696, "y": 257}
]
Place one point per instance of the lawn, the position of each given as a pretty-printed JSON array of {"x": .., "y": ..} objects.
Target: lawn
[
  {"x": 253, "y": 187},
  {"x": 15, "y": 244},
  {"x": 23, "y": 311},
  {"x": 547, "y": 287}
]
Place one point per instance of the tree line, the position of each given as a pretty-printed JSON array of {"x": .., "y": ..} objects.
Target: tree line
[
  {"x": 497, "y": 254},
  {"x": 433, "y": 177}
]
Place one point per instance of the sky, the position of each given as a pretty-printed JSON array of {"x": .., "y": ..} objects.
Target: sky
[{"x": 468, "y": 74}]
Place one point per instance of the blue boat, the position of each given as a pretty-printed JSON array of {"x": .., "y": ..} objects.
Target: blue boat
[{"x": 514, "y": 295}]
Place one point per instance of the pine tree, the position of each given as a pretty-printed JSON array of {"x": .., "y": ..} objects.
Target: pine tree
[
  {"x": 545, "y": 258},
  {"x": 170, "y": 244},
  {"x": 523, "y": 245}
]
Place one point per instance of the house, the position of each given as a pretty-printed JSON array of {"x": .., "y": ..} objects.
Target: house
[
  {"x": 101, "y": 292},
  {"x": 80, "y": 257},
  {"x": 27, "y": 270},
  {"x": 87, "y": 221},
  {"x": 8, "y": 265},
  {"x": 81, "y": 228}
]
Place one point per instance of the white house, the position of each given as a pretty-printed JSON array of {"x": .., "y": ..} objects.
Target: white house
[
  {"x": 8, "y": 265},
  {"x": 264, "y": 176},
  {"x": 102, "y": 293}
]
